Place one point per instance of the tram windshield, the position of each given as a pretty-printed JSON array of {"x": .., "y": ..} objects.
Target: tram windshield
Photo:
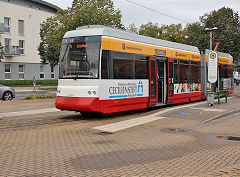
[{"x": 79, "y": 57}]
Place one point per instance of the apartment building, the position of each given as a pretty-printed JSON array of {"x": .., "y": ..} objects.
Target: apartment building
[{"x": 20, "y": 24}]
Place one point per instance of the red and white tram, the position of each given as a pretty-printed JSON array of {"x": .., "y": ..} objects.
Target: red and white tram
[{"x": 108, "y": 70}]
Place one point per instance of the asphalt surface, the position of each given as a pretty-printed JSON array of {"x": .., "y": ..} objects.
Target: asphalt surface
[{"x": 21, "y": 95}]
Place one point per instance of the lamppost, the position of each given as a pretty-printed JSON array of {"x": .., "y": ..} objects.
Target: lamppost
[{"x": 210, "y": 30}]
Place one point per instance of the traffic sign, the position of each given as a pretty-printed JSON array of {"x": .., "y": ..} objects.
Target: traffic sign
[{"x": 212, "y": 67}]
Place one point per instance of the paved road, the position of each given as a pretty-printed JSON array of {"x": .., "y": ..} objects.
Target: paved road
[
  {"x": 21, "y": 95},
  {"x": 190, "y": 139},
  {"x": 23, "y": 92}
]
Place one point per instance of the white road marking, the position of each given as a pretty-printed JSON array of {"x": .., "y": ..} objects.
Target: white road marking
[
  {"x": 127, "y": 124},
  {"x": 208, "y": 109},
  {"x": 23, "y": 113}
]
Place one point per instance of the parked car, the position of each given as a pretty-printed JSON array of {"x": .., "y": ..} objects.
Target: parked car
[{"x": 6, "y": 93}]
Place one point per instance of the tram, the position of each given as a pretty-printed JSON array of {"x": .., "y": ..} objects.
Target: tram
[{"x": 107, "y": 70}]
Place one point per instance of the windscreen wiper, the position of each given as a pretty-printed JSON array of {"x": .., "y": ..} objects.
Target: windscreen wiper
[{"x": 65, "y": 52}]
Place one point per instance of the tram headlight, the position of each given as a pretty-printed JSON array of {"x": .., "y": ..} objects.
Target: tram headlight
[
  {"x": 89, "y": 92},
  {"x": 94, "y": 92}
]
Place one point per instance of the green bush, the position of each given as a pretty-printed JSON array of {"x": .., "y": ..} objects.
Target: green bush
[
  {"x": 28, "y": 83},
  {"x": 40, "y": 97}
]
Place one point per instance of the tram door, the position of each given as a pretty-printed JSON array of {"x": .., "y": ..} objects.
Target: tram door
[
  {"x": 161, "y": 80},
  {"x": 153, "y": 81}
]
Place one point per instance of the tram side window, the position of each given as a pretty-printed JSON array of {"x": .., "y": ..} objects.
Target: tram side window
[
  {"x": 105, "y": 64},
  {"x": 195, "y": 65},
  {"x": 230, "y": 72},
  {"x": 225, "y": 70},
  {"x": 122, "y": 65},
  {"x": 184, "y": 71},
  {"x": 176, "y": 72},
  {"x": 171, "y": 84},
  {"x": 141, "y": 67}
]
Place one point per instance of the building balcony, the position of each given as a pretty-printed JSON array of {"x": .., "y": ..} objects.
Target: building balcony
[
  {"x": 11, "y": 51},
  {"x": 4, "y": 29}
]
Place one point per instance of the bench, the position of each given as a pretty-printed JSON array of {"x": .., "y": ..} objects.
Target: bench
[{"x": 221, "y": 93}]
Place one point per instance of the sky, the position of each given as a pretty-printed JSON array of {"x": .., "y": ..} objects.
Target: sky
[{"x": 185, "y": 10}]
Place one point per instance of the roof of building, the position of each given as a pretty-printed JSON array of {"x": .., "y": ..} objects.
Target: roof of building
[
  {"x": 47, "y": 4},
  {"x": 92, "y": 30}
]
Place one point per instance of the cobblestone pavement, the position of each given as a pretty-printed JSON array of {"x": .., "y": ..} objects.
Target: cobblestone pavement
[{"x": 64, "y": 143}]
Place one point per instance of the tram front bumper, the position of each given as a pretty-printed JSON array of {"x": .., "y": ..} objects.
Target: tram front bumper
[{"x": 77, "y": 104}]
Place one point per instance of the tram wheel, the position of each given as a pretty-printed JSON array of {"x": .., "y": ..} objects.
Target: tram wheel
[
  {"x": 86, "y": 114},
  {"x": 93, "y": 114}
]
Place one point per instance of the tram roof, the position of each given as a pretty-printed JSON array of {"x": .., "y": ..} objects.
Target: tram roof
[{"x": 93, "y": 30}]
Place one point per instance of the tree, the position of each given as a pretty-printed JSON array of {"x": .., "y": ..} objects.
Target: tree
[
  {"x": 1, "y": 50},
  {"x": 227, "y": 22},
  {"x": 150, "y": 30},
  {"x": 132, "y": 28},
  {"x": 82, "y": 12},
  {"x": 173, "y": 32},
  {"x": 196, "y": 36}
]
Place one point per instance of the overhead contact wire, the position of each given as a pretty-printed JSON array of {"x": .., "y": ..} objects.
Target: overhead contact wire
[{"x": 157, "y": 11}]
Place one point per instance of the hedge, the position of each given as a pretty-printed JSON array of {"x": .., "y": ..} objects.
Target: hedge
[
  {"x": 33, "y": 97},
  {"x": 25, "y": 83}
]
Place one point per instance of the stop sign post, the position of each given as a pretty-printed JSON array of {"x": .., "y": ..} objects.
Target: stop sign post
[{"x": 212, "y": 68}]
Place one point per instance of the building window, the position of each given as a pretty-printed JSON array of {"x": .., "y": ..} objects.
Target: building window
[
  {"x": 7, "y": 71},
  {"x": 21, "y": 72},
  {"x": 41, "y": 72},
  {"x": 52, "y": 72},
  {"x": 20, "y": 27},
  {"x": 21, "y": 47},
  {"x": 7, "y": 45},
  {"x": 7, "y": 24}
]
